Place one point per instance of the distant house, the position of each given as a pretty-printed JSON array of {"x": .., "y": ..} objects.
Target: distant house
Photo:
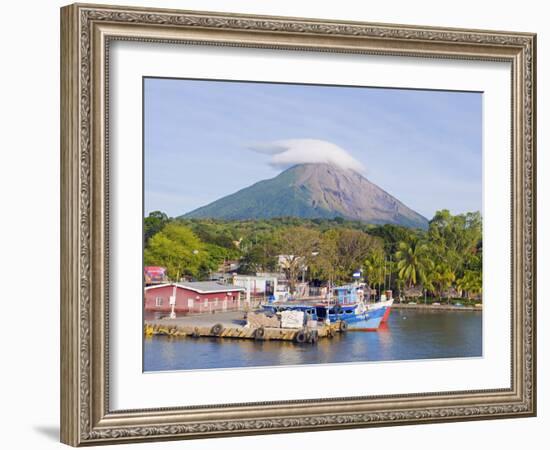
[
  {"x": 229, "y": 266},
  {"x": 268, "y": 285},
  {"x": 256, "y": 285},
  {"x": 154, "y": 275},
  {"x": 413, "y": 292},
  {"x": 225, "y": 271},
  {"x": 451, "y": 293},
  {"x": 193, "y": 297}
]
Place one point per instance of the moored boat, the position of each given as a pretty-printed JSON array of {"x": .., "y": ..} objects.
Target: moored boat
[
  {"x": 348, "y": 306},
  {"x": 359, "y": 315}
]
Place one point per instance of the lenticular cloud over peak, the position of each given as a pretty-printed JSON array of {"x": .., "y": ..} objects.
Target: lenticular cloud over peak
[{"x": 290, "y": 152}]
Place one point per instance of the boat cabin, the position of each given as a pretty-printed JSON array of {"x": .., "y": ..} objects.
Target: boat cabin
[
  {"x": 336, "y": 312},
  {"x": 347, "y": 294}
]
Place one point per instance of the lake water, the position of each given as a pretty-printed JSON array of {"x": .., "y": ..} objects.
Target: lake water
[{"x": 409, "y": 334}]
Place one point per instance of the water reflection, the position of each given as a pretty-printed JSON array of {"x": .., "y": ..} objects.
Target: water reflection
[{"x": 408, "y": 335}]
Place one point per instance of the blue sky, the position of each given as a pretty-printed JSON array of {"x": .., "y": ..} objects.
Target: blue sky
[{"x": 423, "y": 147}]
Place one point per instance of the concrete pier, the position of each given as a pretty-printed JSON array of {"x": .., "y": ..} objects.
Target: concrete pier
[{"x": 232, "y": 325}]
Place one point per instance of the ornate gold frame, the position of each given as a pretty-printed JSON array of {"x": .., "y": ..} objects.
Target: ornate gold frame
[{"x": 86, "y": 31}]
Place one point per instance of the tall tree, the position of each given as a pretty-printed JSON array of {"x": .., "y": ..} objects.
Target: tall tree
[
  {"x": 323, "y": 264},
  {"x": 178, "y": 249},
  {"x": 392, "y": 235},
  {"x": 470, "y": 283},
  {"x": 453, "y": 238},
  {"x": 259, "y": 254},
  {"x": 297, "y": 246},
  {"x": 412, "y": 261},
  {"x": 374, "y": 269},
  {"x": 343, "y": 251},
  {"x": 440, "y": 278},
  {"x": 353, "y": 247},
  {"x": 152, "y": 224}
]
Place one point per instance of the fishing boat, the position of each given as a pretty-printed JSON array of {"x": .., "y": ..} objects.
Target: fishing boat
[
  {"x": 349, "y": 306},
  {"x": 345, "y": 304}
]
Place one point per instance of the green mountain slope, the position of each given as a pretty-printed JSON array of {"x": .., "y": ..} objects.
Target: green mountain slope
[{"x": 313, "y": 191}]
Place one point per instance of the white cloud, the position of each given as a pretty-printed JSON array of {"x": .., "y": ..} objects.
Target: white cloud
[{"x": 290, "y": 152}]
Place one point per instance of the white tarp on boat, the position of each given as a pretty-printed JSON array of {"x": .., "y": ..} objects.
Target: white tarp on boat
[{"x": 292, "y": 319}]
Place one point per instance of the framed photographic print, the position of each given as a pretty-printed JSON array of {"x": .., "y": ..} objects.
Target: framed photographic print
[{"x": 277, "y": 224}]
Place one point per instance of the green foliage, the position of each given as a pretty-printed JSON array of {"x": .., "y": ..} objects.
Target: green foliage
[
  {"x": 178, "y": 249},
  {"x": 259, "y": 254},
  {"x": 298, "y": 246},
  {"x": 392, "y": 235},
  {"x": 340, "y": 252},
  {"x": 352, "y": 246},
  {"x": 374, "y": 268},
  {"x": 450, "y": 253},
  {"x": 470, "y": 283},
  {"x": 413, "y": 262},
  {"x": 328, "y": 250},
  {"x": 440, "y": 278},
  {"x": 454, "y": 238},
  {"x": 152, "y": 224}
]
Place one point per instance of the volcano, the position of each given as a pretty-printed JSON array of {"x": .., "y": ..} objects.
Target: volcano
[{"x": 313, "y": 190}]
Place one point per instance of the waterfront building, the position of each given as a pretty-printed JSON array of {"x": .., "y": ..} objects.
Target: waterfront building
[
  {"x": 270, "y": 286},
  {"x": 193, "y": 297}
]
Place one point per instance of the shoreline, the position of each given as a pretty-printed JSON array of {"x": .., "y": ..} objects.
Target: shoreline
[{"x": 441, "y": 307}]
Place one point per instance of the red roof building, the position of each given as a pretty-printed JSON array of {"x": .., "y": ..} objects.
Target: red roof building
[{"x": 193, "y": 297}]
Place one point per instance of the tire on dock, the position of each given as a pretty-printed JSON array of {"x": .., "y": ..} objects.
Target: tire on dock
[
  {"x": 343, "y": 326},
  {"x": 259, "y": 333},
  {"x": 301, "y": 337},
  {"x": 217, "y": 329}
]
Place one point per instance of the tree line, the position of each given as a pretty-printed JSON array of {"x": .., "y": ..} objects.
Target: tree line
[{"x": 443, "y": 261}]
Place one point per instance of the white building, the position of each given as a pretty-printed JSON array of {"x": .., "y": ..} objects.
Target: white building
[{"x": 262, "y": 285}]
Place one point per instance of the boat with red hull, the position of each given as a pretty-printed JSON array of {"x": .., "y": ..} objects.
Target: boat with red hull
[{"x": 347, "y": 305}]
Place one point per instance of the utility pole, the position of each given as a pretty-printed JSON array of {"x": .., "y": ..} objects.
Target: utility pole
[
  {"x": 173, "y": 303},
  {"x": 389, "y": 278},
  {"x": 384, "y": 273}
]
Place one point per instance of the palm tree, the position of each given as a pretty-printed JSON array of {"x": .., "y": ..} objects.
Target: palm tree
[
  {"x": 442, "y": 277},
  {"x": 374, "y": 269},
  {"x": 471, "y": 282},
  {"x": 412, "y": 261}
]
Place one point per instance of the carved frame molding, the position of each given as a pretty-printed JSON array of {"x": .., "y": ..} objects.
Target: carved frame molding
[{"x": 86, "y": 32}]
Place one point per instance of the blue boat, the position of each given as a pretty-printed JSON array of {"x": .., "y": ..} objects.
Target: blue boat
[
  {"x": 347, "y": 306},
  {"x": 350, "y": 307},
  {"x": 360, "y": 316}
]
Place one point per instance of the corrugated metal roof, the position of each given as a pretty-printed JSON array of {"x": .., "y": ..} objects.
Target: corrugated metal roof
[{"x": 204, "y": 287}]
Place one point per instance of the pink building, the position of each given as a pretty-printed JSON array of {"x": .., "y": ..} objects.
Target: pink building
[{"x": 193, "y": 297}]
